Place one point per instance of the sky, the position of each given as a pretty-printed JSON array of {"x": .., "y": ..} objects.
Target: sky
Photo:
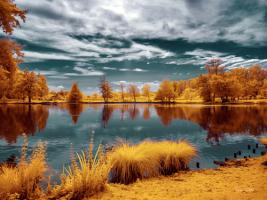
[{"x": 139, "y": 41}]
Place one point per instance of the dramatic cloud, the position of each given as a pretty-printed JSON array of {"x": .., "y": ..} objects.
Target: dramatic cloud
[{"x": 143, "y": 41}]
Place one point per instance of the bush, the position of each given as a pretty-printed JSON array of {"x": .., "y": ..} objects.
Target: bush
[
  {"x": 84, "y": 178},
  {"x": 174, "y": 156},
  {"x": 148, "y": 159},
  {"x": 22, "y": 181},
  {"x": 129, "y": 163}
]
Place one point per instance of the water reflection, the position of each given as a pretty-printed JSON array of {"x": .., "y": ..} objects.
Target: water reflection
[
  {"x": 219, "y": 120},
  {"x": 216, "y": 120},
  {"x": 18, "y": 119}
]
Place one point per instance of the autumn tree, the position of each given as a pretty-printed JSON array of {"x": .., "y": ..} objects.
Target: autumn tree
[
  {"x": 122, "y": 86},
  {"x": 10, "y": 56},
  {"x": 204, "y": 88},
  {"x": 179, "y": 87},
  {"x": 3, "y": 82},
  {"x": 42, "y": 86},
  {"x": 75, "y": 95},
  {"x": 146, "y": 90},
  {"x": 28, "y": 85},
  {"x": 263, "y": 89},
  {"x": 166, "y": 92},
  {"x": 10, "y": 16},
  {"x": 105, "y": 89},
  {"x": 214, "y": 66},
  {"x": 133, "y": 91}
]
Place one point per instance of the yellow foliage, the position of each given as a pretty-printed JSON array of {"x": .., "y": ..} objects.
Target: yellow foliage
[{"x": 21, "y": 182}]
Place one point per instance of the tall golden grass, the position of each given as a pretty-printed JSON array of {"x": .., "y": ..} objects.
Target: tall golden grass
[
  {"x": 84, "y": 177},
  {"x": 22, "y": 181},
  {"x": 264, "y": 141},
  {"x": 89, "y": 173},
  {"x": 129, "y": 163},
  {"x": 148, "y": 159}
]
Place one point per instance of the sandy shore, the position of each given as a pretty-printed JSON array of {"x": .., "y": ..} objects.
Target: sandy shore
[{"x": 239, "y": 180}]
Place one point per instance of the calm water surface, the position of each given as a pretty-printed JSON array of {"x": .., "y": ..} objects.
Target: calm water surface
[{"x": 217, "y": 131}]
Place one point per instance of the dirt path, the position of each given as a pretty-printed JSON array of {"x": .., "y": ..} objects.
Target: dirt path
[{"x": 247, "y": 181}]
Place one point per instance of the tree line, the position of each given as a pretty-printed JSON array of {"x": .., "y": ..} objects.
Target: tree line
[{"x": 217, "y": 85}]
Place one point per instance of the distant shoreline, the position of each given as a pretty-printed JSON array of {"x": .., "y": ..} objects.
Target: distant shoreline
[{"x": 242, "y": 102}]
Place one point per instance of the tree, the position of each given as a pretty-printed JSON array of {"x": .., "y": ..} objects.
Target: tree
[
  {"x": 122, "y": 86},
  {"x": 3, "y": 82},
  {"x": 146, "y": 91},
  {"x": 213, "y": 66},
  {"x": 75, "y": 95},
  {"x": 204, "y": 87},
  {"x": 179, "y": 87},
  {"x": 10, "y": 56},
  {"x": 133, "y": 91},
  {"x": 28, "y": 85},
  {"x": 105, "y": 89},
  {"x": 10, "y": 15},
  {"x": 263, "y": 90},
  {"x": 190, "y": 93},
  {"x": 166, "y": 92},
  {"x": 42, "y": 86}
]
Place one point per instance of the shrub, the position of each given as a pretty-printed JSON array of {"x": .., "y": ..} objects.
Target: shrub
[
  {"x": 174, "y": 156},
  {"x": 84, "y": 177},
  {"x": 22, "y": 181},
  {"x": 148, "y": 159},
  {"x": 129, "y": 163}
]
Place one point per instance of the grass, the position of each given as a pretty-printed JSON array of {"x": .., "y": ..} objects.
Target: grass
[
  {"x": 174, "y": 156},
  {"x": 22, "y": 181},
  {"x": 149, "y": 159},
  {"x": 84, "y": 178},
  {"x": 89, "y": 173},
  {"x": 264, "y": 141},
  {"x": 129, "y": 163}
]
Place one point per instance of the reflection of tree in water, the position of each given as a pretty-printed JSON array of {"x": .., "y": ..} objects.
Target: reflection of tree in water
[
  {"x": 146, "y": 113},
  {"x": 75, "y": 110},
  {"x": 18, "y": 119},
  {"x": 106, "y": 114},
  {"x": 133, "y": 112},
  {"x": 218, "y": 120}
]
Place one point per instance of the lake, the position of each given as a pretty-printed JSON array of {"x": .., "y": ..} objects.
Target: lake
[{"x": 216, "y": 131}]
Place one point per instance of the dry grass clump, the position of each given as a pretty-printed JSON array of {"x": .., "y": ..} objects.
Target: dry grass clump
[
  {"x": 148, "y": 159},
  {"x": 174, "y": 156},
  {"x": 84, "y": 177},
  {"x": 264, "y": 141},
  {"x": 22, "y": 181},
  {"x": 129, "y": 163}
]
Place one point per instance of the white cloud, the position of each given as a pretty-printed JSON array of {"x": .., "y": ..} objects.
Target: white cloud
[
  {"x": 56, "y": 88},
  {"x": 89, "y": 71},
  {"x": 201, "y": 56},
  {"x": 48, "y": 56},
  {"x": 153, "y": 84},
  {"x": 109, "y": 68},
  {"x": 54, "y": 23}
]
